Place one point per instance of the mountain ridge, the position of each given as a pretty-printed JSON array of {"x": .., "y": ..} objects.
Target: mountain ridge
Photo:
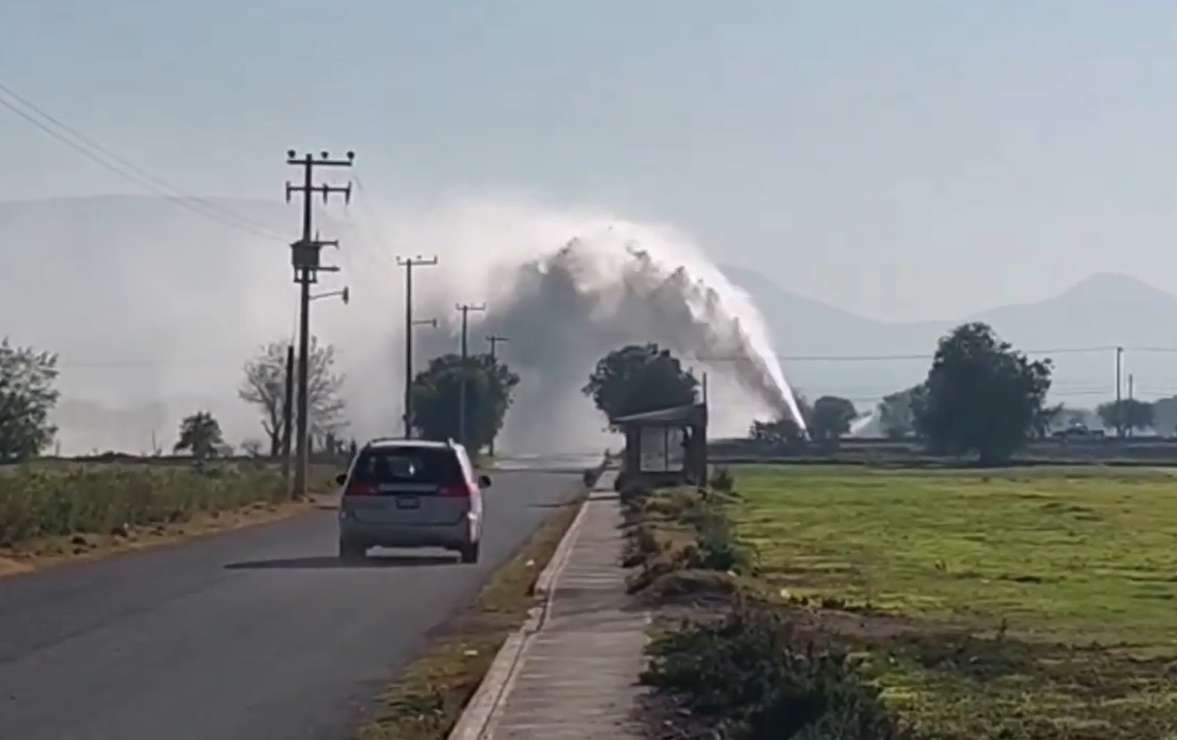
[
  {"x": 149, "y": 302},
  {"x": 1087, "y": 320}
]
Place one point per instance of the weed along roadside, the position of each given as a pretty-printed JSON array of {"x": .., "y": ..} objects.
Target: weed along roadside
[
  {"x": 56, "y": 513},
  {"x": 837, "y": 603}
]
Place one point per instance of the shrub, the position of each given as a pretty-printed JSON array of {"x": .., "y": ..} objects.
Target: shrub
[
  {"x": 722, "y": 479},
  {"x": 640, "y": 544},
  {"x": 748, "y": 676},
  {"x": 718, "y": 548}
]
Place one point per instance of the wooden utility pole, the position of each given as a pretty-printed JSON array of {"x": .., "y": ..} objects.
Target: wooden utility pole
[
  {"x": 409, "y": 264},
  {"x": 305, "y": 260},
  {"x": 494, "y": 342},
  {"x": 465, "y": 309},
  {"x": 288, "y": 418}
]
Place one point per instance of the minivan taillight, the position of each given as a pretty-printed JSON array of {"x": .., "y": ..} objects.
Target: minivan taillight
[
  {"x": 460, "y": 490},
  {"x": 357, "y": 488}
]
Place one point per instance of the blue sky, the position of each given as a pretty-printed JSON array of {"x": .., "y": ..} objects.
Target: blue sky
[{"x": 903, "y": 160}]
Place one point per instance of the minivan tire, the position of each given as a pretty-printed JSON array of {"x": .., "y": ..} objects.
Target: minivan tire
[
  {"x": 350, "y": 552},
  {"x": 470, "y": 553}
]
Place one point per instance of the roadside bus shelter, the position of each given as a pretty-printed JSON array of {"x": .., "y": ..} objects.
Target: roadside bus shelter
[{"x": 665, "y": 446}]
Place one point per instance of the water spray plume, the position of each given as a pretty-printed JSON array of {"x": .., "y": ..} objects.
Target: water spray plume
[{"x": 570, "y": 287}]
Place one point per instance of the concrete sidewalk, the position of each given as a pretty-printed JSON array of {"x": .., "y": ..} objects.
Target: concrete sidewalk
[{"x": 577, "y": 677}]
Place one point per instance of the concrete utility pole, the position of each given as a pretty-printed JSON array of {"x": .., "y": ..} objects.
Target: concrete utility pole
[
  {"x": 409, "y": 368},
  {"x": 409, "y": 264},
  {"x": 1119, "y": 407},
  {"x": 288, "y": 418},
  {"x": 465, "y": 308},
  {"x": 494, "y": 342},
  {"x": 305, "y": 260}
]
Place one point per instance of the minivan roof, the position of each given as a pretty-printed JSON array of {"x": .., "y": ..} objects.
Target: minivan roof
[{"x": 401, "y": 442}]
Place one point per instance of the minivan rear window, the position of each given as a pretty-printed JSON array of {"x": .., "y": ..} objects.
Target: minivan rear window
[{"x": 408, "y": 465}]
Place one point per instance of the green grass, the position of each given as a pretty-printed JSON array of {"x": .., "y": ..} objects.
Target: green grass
[
  {"x": 1066, "y": 580},
  {"x": 50, "y": 500}
]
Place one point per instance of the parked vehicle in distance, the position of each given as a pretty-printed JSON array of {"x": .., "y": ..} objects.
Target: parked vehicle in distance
[
  {"x": 411, "y": 493},
  {"x": 1078, "y": 431}
]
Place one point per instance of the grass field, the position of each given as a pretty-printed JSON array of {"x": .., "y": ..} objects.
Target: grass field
[
  {"x": 1012, "y": 604},
  {"x": 45, "y": 500}
]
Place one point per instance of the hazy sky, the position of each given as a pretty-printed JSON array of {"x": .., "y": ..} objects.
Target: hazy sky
[{"x": 900, "y": 159}]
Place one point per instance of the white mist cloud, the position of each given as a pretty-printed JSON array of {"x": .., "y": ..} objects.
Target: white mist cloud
[{"x": 568, "y": 285}]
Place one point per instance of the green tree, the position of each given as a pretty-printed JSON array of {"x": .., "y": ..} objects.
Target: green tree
[
  {"x": 980, "y": 396},
  {"x": 895, "y": 416},
  {"x": 1164, "y": 413},
  {"x": 639, "y": 378},
  {"x": 27, "y": 397},
  {"x": 830, "y": 418},
  {"x": 436, "y": 397},
  {"x": 200, "y": 434},
  {"x": 1126, "y": 414},
  {"x": 264, "y": 386}
]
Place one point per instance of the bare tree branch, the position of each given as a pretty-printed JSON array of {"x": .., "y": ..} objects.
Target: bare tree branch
[{"x": 264, "y": 386}]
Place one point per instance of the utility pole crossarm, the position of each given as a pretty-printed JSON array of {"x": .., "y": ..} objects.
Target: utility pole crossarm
[{"x": 495, "y": 340}]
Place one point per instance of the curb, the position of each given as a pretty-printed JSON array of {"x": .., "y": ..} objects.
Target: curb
[{"x": 484, "y": 706}]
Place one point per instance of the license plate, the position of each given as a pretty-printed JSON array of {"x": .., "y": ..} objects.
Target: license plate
[{"x": 408, "y": 502}]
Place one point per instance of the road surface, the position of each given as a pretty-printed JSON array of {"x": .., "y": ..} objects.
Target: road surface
[{"x": 258, "y": 633}]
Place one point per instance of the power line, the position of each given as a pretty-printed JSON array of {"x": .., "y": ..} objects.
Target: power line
[
  {"x": 839, "y": 358},
  {"x": 160, "y": 182},
  {"x": 104, "y": 157},
  {"x": 900, "y": 357},
  {"x": 372, "y": 244}
]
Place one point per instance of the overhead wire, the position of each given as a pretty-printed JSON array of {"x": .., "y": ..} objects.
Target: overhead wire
[
  {"x": 96, "y": 152},
  {"x": 901, "y": 357},
  {"x": 372, "y": 245}
]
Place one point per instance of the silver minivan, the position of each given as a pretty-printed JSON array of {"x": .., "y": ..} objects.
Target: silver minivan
[{"x": 411, "y": 493}]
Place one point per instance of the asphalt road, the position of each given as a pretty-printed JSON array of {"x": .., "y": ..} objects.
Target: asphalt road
[{"x": 258, "y": 633}]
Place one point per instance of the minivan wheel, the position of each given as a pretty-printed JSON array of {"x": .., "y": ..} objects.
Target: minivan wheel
[
  {"x": 351, "y": 552},
  {"x": 470, "y": 553}
]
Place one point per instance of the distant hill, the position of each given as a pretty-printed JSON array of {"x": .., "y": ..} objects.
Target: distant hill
[{"x": 1102, "y": 311}]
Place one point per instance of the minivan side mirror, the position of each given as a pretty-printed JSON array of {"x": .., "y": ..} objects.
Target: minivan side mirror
[
  {"x": 484, "y": 481},
  {"x": 341, "y": 478}
]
